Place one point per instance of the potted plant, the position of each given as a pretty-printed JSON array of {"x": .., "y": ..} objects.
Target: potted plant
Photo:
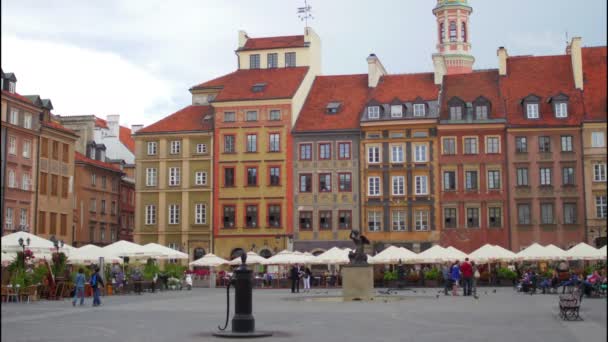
[
  {"x": 390, "y": 278},
  {"x": 506, "y": 276},
  {"x": 431, "y": 277},
  {"x": 413, "y": 278}
]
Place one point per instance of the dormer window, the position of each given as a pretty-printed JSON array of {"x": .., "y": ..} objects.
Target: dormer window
[
  {"x": 332, "y": 108},
  {"x": 481, "y": 112},
  {"x": 258, "y": 87},
  {"x": 396, "y": 111},
  {"x": 373, "y": 112},
  {"x": 561, "y": 109},
  {"x": 532, "y": 110},
  {"x": 11, "y": 87},
  {"x": 254, "y": 61},
  {"x": 456, "y": 113},
  {"x": 419, "y": 109}
]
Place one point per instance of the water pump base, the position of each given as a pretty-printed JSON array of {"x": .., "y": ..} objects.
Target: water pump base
[{"x": 253, "y": 334}]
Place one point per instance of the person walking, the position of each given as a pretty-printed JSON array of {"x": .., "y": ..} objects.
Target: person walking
[
  {"x": 295, "y": 278},
  {"x": 96, "y": 282},
  {"x": 79, "y": 287},
  {"x": 447, "y": 280},
  {"x": 455, "y": 276},
  {"x": 476, "y": 276},
  {"x": 307, "y": 277},
  {"x": 467, "y": 277}
]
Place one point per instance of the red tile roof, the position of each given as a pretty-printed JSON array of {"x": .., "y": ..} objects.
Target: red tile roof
[
  {"x": 187, "y": 119},
  {"x": 405, "y": 87},
  {"x": 543, "y": 76},
  {"x": 58, "y": 126},
  {"x": 350, "y": 90},
  {"x": 468, "y": 87},
  {"x": 18, "y": 97},
  {"x": 124, "y": 134},
  {"x": 101, "y": 123},
  {"x": 79, "y": 157},
  {"x": 594, "y": 84},
  {"x": 281, "y": 83},
  {"x": 273, "y": 43}
]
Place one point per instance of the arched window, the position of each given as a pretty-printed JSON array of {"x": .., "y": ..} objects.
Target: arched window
[
  {"x": 198, "y": 253},
  {"x": 453, "y": 30},
  {"x": 464, "y": 32},
  {"x": 441, "y": 33}
]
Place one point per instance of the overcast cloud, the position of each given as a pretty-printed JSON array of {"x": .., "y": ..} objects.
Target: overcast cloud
[{"x": 139, "y": 58}]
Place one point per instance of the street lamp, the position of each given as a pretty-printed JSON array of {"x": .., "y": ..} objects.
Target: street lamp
[
  {"x": 57, "y": 243},
  {"x": 23, "y": 246}
]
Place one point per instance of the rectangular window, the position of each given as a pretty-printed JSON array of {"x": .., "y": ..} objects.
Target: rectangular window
[
  {"x": 324, "y": 151},
  {"x": 599, "y": 172},
  {"x": 481, "y": 112},
  {"x": 229, "y": 144},
  {"x": 600, "y": 206},
  {"x": 456, "y": 113},
  {"x": 449, "y": 180},
  {"x": 254, "y": 61},
  {"x": 275, "y": 176},
  {"x": 43, "y": 183},
  {"x": 449, "y": 146},
  {"x": 521, "y": 145},
  {"x": 175, "y": 147},
  {"x": 421, "y": 185},
  {"x": 373, "y": 112},
  {"x": 12, "y": 181},
  {"x": 566, "y": 143},
  {"x": 373, "y": 154},
  {"x": 151, "y": 176},
  {"x": 229, "y": 116},
  {"x": 27, "y": 149},
  {"x": 113, "y": 208},
  {"x": 201, "y": 148},
  {"x": 65, "y": 156},
  {"x": 419, "y": 109},
  {"x": 252, "y": 176},
  {"x": 545, "y": 176},
  {"x": 251, "y": 216},
  {"x": 597, "y": 139},
  {"x": 546, "y": 213},
  {"x": 173, "y": 213},
  {"x": 103, "y": 182},
  {"x": 493, "y": 180},
  {"x": 397, "y": 154},
  {"x": 25, "y": 181},
  {"x": 273, "y": 60},
  {"x": 532, "y": 110},
  {"x": 12, "y": 145},
  {"x": 53, "y": 221},
  {"x": 544, "y": 144},
  {"x": 344, "y": 150},
  {"x": 93, "y": 205},
  {"x": 8, "y": 219},
  {"x": 345, "y": 182},
  {"x": 422, "y": 220},
  {"x": 55, "y": 151},
  {"x": 495, "y": 217},
  {"x": 396, "y": 111},
  {"x": 522, "y": 176},
  {"x": 398, "y": 220},
  {"x": 305, "y": 151},
  {"x": 472, "y": 217},
  {"x": 14, "y": 119},
  {"x": 325, "y": 219},
  {"x": 41, "y": 222},
  {"x": 274, "y": 216},
  {"x": 470, "y": 146},
  {"x": 229, "y": 215},
  {"x": 374, "y": 221},
  {"x": 65, "y": 183},
  {"x": 305, "y": 220},
  {"x": 523, "y": 214},
  {"x": 306, "y": 182},
  {"x": 345, "y": 218},
  {"x": 251, "y": 115},
  {"x": 398, "y": 185},
  {"x": 274, "y": 115},
  {"x": 420, "y": 153},
  {"x": 492, "y": 145},
  {"x": 470, "y": 180},
  {"x": 275, "y": 142},
  {"x": 54, "y": 185},
  {"x": 561, "y": 110},
  {"x": 568, "y": 176},
  {"x": 373, "y": 186},
  {"x": 152, "y": 147},
  {"x": 44, "y": 147},
  {"x": 103, "y": 206},
  {"x": 252, "y": 143},
  {"x": 290, "y": 59},
  {"x": 449, "y": 217},
  {"x": 325, "y": 182},
  {"x": 200, "y": 178},
  {"x": 569, "y": 213},
  {"x": 174, "y": 176}
]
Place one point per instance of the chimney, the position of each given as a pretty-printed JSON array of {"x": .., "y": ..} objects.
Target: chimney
[
  {"x": 502, "y": 61},
  {"x": 375, "y": 70},
  {"x": 242, "y": 38},
  {"x": 135, "y": 128},
  {"x": 576, "y": 56},
  {"x": 439, "y": 68},
  {"x": 113, "y": 124}
]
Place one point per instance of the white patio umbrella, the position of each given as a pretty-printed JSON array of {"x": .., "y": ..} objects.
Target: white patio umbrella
[
  {"x": 124, "y": 248},
  {"x": 164, "y": 252},
  {"x": 10, "y": 243},
  {"x": 209, "y": 260},
  {"x": 301, "y": 258},
  {"x": 488, "y": 253},
  {"x": 8, "y": 257},
  {"x": 90, "y": 254},
  {"x": 583, "y": 251},
  {"x": 252, "y": 258},
  {"x": 603, "y": 251},
  {"x": 456, "y": 253},
  {"x": 435, "y": 255},
  {"x": 393, "y": 255},
  {"x": 284, "y": 257},
  {"x": 534, "y": 252},
  {"x": 333, "y": 256}
]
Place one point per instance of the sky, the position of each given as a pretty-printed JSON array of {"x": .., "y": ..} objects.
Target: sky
[{"x": 138, "y": 58}]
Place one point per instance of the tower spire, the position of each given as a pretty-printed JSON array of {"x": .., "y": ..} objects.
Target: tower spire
[{"x": 453, "y": 41}]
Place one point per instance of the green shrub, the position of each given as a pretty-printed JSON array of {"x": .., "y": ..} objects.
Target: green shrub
[
  {"x": 175, "y": 270},
  {"x": 505, "y": 273},
  {"x": 21, "y": 278},
  {"x": 40, "y": 272},
  {"x": 432, "y": 274},
  {"x": 390, "y": 275},
  {"x": 150, "y": 270}
]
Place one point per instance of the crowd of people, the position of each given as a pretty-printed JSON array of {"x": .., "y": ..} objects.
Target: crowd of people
[
  {"x": 532, "y": 280},
  {"x": 465, "y": 273}
]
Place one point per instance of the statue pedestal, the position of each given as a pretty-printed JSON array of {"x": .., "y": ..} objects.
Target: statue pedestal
[{"x": 357, "y": 282}]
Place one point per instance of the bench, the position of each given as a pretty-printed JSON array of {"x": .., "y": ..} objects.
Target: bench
[{"x": 570, "y": 304}]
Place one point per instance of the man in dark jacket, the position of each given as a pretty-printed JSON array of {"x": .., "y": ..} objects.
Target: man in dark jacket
[
  {"x": 467, "y": 277},
  {"x": 96, "y": 283},
  {"x": 295, "y": 278}
]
